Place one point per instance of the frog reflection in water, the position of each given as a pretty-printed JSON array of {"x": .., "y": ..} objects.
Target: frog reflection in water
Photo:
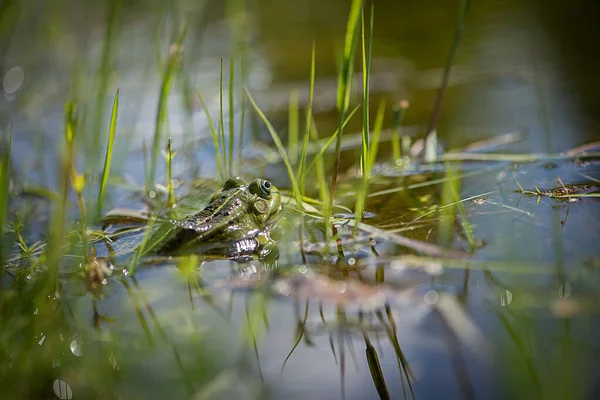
[{"x": 236, "y": 222}]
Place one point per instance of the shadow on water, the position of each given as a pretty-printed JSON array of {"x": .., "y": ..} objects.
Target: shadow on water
[{"x": 473, "y": 276}]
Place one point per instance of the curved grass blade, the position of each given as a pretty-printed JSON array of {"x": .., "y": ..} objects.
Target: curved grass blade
[
  {"x": 330, "y": 141},
  {"x": 281, "y": 149},
  {"x": 213, "y": 133},
  {"x": 109, "y": 151}
]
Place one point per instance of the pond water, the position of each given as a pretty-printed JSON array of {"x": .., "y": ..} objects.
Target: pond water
[{"x": 516, "y": 317}]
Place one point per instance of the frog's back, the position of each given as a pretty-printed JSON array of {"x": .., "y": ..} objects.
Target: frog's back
[{"x": 210, "y": 222}]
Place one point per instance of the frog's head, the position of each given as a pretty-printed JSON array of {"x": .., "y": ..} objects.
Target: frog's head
[{"x": 267, "y": 206}]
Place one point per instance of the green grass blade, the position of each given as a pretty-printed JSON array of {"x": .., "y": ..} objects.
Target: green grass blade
[
  {"x": 309, "y": 119},
  {"x": 293, "y": 127},
  {"x": 281, "y": 149},
  {"x": 161, "y": 111},
  {"x": 364, "y": 189},
  {"x": 213, "y": 133},
  {"x": 109, "y": 152},
  {"x": 343, "y": 94},
  {"x": 243, "y": 108},
  {"x": 464, "y": 10},
  {"x": 59, "y": 215},
  {"x": 222, "y": 120},
  {"x": 143, "y": 247},
  {"x": 322, "y": 181},
  {"x": 367, "y": 46},
  {"x": 399, "y": 109},
  {"x": 329, "y": 142},
  {"x": 170, "y": 190},
  {"x": 103, "y": 77},
  {"x": 454, "y": 187},
  {"x": 4, "y": 186},
  {"x": 344, "y": 86},
  {"x": 231, "y": 113}
]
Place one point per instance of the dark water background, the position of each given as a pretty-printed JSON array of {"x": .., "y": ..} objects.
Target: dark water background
[{"x": 530, "y": 295}]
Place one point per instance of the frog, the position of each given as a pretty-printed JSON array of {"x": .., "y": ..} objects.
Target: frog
[{"x": 236, "y": 222}]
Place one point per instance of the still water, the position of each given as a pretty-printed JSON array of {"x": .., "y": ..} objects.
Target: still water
[{"x": 516, "y": 319}]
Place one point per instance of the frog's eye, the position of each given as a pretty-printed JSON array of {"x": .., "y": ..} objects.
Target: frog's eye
[
  {"x": 235, "y": 182},
  {"x": 260, "y": 187}
]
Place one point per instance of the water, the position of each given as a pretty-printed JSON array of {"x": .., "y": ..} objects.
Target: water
[{"x": 519, "y": 318}]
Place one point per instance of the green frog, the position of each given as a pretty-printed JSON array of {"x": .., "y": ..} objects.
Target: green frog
[{"x": 236, "y": 222}]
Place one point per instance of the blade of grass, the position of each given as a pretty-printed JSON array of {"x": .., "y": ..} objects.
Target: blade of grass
[
  {"x": 231, "y": 113},
  {"x": 142, "y": 249},
  {"x": 367, "y": 45},
  {"x": 59, "y": 216},
  {"x": 169, "y": 157},
  {"x": 221, "y": 119},
  {"x": 104, "y": 71},
  {"x": 454, "y": 187},
  {"x": 344, "y": 86},
  {"x": 301, "y": 176},
  {"x": 4, "y": 186},
  {"x": 446, "y": 74},
  {"x": 293, "y": 127},
  {"x": 322, "y": 184},
  {"x": 213, "y": 133},
  {"x": 109, "y": 151},
  {"x": 399, "y": 109},
  {"x": 281, "y": 149},
  {"x": 309, "y": 119},
  {"x": 165, "y": 88},
  {"x": 361, "y": 198},
  {"x": 329, "y": 142},
  {"x": 375, "y": 369},
  {"x": 301, "y": 331},
  {"x": 243, "y": 108}
]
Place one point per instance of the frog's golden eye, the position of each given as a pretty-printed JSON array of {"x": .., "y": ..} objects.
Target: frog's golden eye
[
  {"x": 234, "y": 182},
  {"x": 260, "y": 187}
]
